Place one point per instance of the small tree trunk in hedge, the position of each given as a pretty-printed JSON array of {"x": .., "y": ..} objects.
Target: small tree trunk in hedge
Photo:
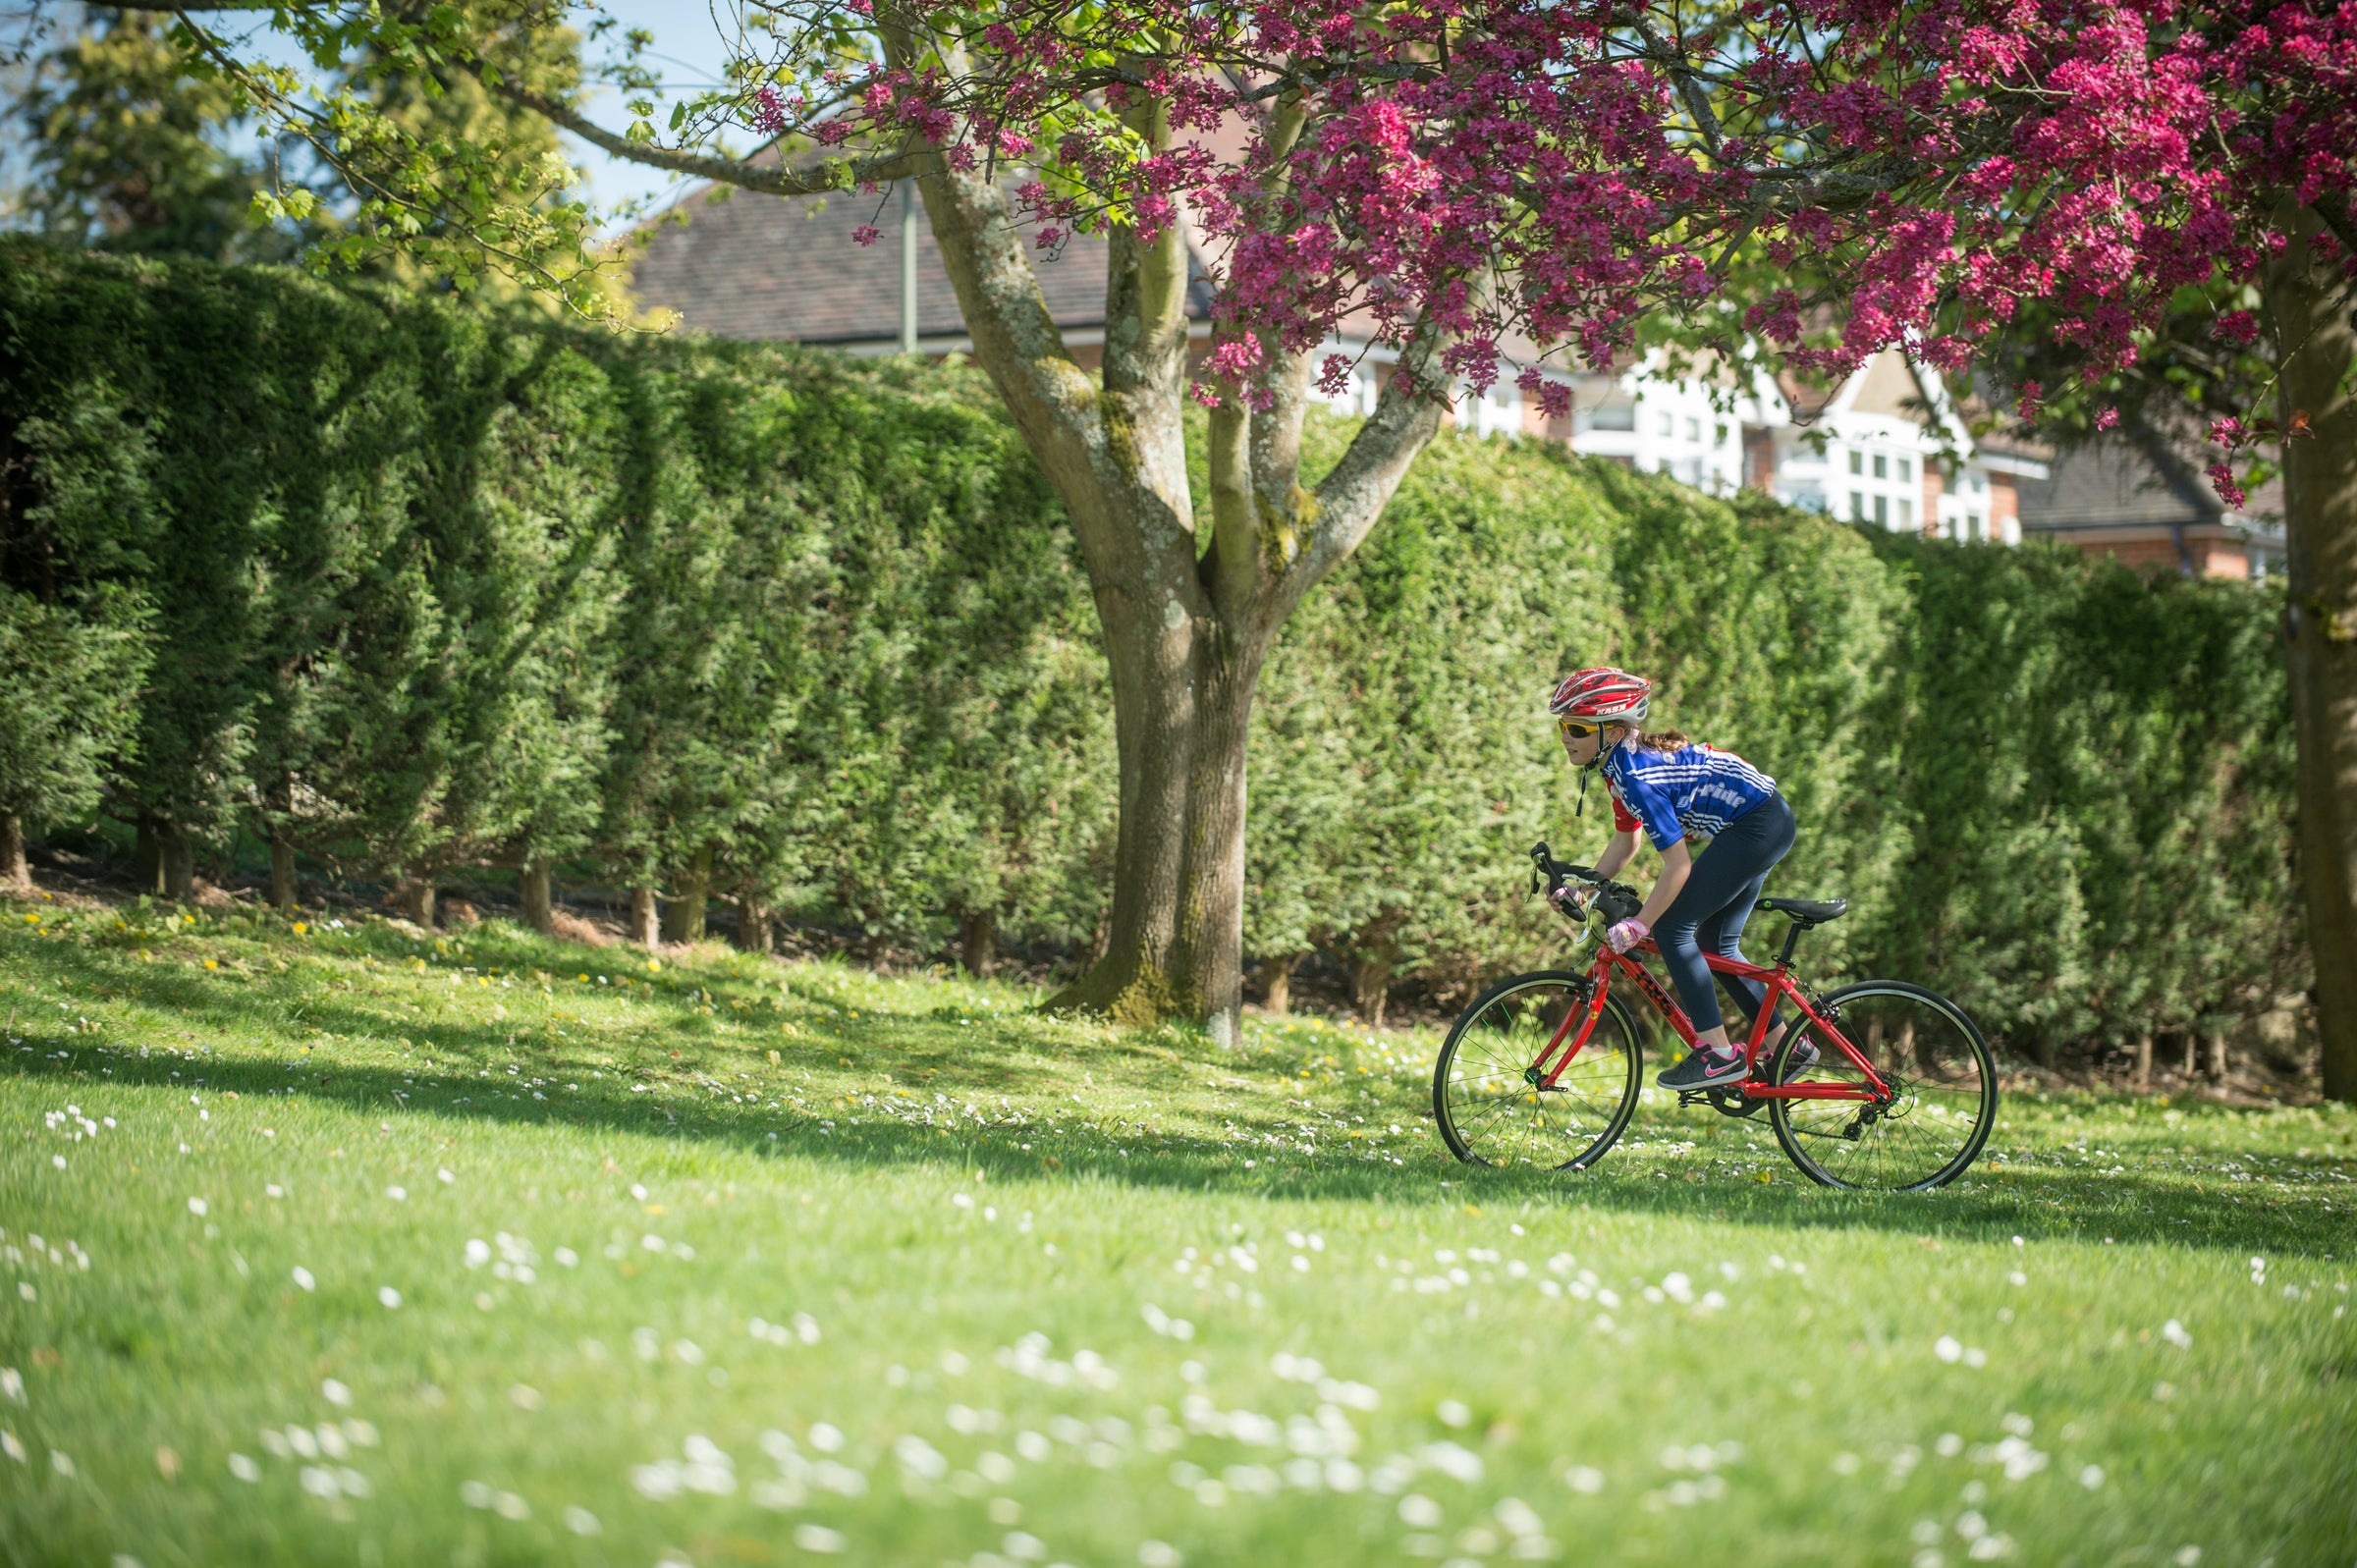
[
  {"x": 15, "y": 872},
  {"x": 2217, "y": 1058},
  {"x": 683, "y": 917},
  {"x": 753, "y": 927},
  {"x": 414, "y": 897},
  {"x": 978, "y": 941},
  {"x": 533, "y": 890},
  {"x": 643, "y": 927},
  {"x": 2193, "y": 1048},
  {"x": 1277, "y": 983},
  {"x": 176, "y": 863},
  {"x": 2316, "y": 347},
  {"x": 283, "y": 888},
  {"x": 2144, "y": 1061},
  {"x": 1371, "y": 988}
]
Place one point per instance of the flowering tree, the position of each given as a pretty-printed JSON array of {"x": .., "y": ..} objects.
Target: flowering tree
[{"x": 1462, "y": 181}]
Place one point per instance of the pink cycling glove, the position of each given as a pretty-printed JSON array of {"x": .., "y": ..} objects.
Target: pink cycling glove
[{"x": 1627, "y": 934}]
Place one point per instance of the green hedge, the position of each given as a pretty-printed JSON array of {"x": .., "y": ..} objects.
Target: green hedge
[
  {"x": 423, "y": 589},
  {"x": 429, "y": 589}
]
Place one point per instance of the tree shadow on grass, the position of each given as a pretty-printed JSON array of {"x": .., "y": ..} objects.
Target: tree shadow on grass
[{"x": 2038, "y": 1205}]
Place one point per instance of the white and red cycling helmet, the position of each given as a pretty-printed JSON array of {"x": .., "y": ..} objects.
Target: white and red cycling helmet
[{"x": 1601, "y": 696}]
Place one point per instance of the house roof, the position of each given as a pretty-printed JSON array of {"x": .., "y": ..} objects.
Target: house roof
[
  {"x": 2110, "y": 484},
  {"x": 743, "y": 264}
]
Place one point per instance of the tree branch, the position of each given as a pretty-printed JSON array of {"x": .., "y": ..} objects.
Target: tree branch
[
  {"x": 1351, "y": 498},
  {"x": 834, "y": 174}
]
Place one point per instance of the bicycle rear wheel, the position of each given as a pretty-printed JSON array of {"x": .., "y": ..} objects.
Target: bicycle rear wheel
[
  {"x": 1490, "y": 1112},
  {"x": 1926, "y": 1048}
]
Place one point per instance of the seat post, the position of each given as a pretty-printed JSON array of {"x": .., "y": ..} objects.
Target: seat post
[{"x": 1783, "y": 959}]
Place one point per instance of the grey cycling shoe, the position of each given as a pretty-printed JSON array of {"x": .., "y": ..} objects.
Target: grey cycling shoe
[
  {"x": 1705, "y": 1069},
  {"x": 1802, "y": 1058}
]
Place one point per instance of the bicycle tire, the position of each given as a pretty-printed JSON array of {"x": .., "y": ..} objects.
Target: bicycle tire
[
  {"x": 1951, "y": 1079},
  {"x": 1505, "y": 1027}
]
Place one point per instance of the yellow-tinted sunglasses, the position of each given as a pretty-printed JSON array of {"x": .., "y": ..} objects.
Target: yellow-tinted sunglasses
[{"x": 1575, "y": 728}]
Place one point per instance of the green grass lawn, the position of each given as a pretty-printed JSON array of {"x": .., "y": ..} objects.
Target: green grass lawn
[{"x": 343, "y": 1245}]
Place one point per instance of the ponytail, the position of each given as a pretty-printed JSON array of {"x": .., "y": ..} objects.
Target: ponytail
[{"x": 1664, "y": 740}]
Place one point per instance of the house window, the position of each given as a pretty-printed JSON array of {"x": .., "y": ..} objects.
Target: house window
[
  {"x": 1857, "y": 461},
  {"x": 1882, "y": 467},
  {"x": 1906, "y": 468},
  {"x": 1906, "y": 512},
  {"x": 1694, "y": 430},
  {"x": 1857, "y": 506},
  {"x": 1669, "y": 425},
  {"x": 1614, "y": 417},
  {"x": 1882, "y": 509},
  {"x": 1972, "y": 525},
  {"x": 1721, "y": 435}
]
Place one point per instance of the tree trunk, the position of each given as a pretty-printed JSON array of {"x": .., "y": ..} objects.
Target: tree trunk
[
  {"x": 643, "y": 929},
  {"x": 175, "y": 863},
  {"x": 1182, "y": 699},
  {"x": 754, "y": 932},
  {"x": 2316, "y": 347},
  {"x": 978, "y": 941},
  {"x": 414, "y": 897},
  {"x": 1186, "y": 626},
  {"x": 2193, "y": 1057},
  {"x": 684, "y": 916},
  {"x": 2217, "y": 1058},
  {"x": 1277, "y": 983},
  {"x": 2144, "y": 1061},
  {"x": 534, "y": 888},
  {"x": 284, "y": 891},
  {"x": 1371, "y": 988},
  {"x": 15, "y": 872}
]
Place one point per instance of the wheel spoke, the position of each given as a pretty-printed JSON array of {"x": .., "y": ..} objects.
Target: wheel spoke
[
  {"x": 1490, "y": 1111},
  {"x": 1943, "y": 1094}
]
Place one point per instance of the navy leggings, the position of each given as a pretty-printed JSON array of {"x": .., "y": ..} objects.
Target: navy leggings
[{"x": 1708, "y": 911}]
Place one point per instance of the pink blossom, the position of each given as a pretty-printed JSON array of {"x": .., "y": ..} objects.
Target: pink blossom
[
  {"x": 1500, "y": 170},
  {"x": 2222, "y": 481}
]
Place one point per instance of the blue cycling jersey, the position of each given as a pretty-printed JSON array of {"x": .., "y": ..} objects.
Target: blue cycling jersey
[{"x": 1695, "y": 789}]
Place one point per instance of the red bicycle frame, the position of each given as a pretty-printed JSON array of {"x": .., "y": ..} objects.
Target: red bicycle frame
[{"x": 1781, "y": 988}]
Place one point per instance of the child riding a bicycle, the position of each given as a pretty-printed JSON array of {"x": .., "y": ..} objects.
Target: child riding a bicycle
[{"x": 1678, "y": 792}]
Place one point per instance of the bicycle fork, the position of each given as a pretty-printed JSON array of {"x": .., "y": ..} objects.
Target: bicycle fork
[{"x": 1536, "y": 1074}]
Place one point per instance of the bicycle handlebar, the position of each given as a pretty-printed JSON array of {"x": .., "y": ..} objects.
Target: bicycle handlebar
[{"x": 1615, "y": 900}]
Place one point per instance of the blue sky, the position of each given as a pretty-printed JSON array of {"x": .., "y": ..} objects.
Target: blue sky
[
  {"x": 687, "y": 50},
  {"x": 688, "y": 46}
]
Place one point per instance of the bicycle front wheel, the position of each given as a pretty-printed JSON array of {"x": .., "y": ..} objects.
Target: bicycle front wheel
[
  {"x": 1489, "y": 1111},
  {"x": 1926, "y": 1048}
]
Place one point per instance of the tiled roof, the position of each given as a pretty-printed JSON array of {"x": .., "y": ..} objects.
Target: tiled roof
[
  {"x": 749, "y": 265},
  {"x": 2110, "y": 484}
]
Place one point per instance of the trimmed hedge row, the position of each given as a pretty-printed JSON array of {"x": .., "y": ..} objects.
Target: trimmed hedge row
[{"x": 424, "y": 588}]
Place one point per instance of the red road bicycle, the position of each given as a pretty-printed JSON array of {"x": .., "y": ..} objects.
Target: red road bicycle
[{"x": 1880, "y": 1085}]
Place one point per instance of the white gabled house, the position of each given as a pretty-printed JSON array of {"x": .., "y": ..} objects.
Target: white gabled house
[{"x": 1886, "y": 448}]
